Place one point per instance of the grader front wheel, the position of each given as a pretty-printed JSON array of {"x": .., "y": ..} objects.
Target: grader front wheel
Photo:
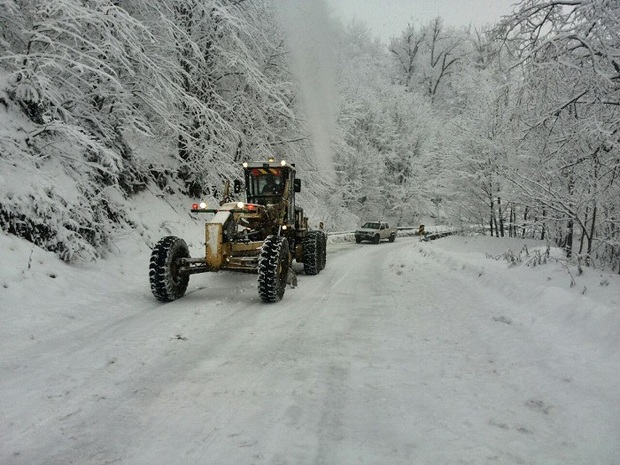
[
  {"x": 167, "y": 284},
  {"x": 273, "y": 264}
]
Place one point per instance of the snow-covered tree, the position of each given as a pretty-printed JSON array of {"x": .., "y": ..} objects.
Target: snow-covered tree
[
  {"x": 430, "y": 59},
  {"x": 386, "y": 126},
  {"x": 207, "y": 82},
  {"x": 74, "y": 70},
  {"x": 570, "y": 56}
]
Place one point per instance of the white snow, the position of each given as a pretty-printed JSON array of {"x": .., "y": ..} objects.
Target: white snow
[{"x": 409, "y": 352}]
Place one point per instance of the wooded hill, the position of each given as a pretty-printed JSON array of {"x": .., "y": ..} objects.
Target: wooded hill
[{"x": 514, "y": 127}]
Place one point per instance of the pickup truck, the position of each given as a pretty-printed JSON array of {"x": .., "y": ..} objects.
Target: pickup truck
[{"x": 375, "y": 231}]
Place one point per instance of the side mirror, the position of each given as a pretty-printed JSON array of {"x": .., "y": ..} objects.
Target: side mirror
[
  {"x": 297, "y": 185},
  {"x": 237, "y": 186}
]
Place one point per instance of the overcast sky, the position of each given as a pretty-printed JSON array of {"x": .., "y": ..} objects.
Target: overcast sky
[{"x": 387, "y": 18}]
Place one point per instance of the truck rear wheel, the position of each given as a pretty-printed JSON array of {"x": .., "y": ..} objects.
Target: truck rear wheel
[
  {"x": 167, "y": 284},
  {"x": 312, "y": 253},
  {"x": 273, "y": 264},
  {"x": 376, "y": 239}
]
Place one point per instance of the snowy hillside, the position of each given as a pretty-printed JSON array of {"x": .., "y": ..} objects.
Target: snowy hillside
[
  {"x": 515, "y": 127},
  {"x": 410, "y": 352},
  {"x": 116, "y": 116}
]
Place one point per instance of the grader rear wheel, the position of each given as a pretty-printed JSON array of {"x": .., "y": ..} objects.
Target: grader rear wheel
[
  {"x": 312, "y": 253},
  {"x": 323, "y": 251}
]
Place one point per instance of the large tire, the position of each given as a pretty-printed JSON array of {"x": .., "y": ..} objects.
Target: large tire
[
  {"x": 358, "y": 239},
  {"x": 392, "y": 237},
  {"x": 312, "y": 253},
  {"x": 166, "y": 282},
  {"x": 376, "y": 239},
  {"x": 323, "y": 253},
  {"x": 273, "y": 264}
]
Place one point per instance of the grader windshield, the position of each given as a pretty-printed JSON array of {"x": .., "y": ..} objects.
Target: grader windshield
[{"x": 265, "y": 185}]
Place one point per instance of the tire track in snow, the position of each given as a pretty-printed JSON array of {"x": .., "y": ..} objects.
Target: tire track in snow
[{"x": 346, "y": 369}]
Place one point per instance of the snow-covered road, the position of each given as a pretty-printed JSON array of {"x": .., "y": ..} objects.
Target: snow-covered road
[{"x": 397, "y": 353}]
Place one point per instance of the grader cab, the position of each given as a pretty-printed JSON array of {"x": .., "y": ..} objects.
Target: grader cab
[{"x": 260, "y": 234}]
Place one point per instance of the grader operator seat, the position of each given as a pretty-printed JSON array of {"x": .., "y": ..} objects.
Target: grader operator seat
[{"x": 271, "y": 185}]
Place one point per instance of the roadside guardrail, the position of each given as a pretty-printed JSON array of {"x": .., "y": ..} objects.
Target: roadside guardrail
[{"x": 431, "y": 233}]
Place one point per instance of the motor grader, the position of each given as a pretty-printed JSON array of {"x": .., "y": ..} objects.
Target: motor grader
[{"x": 260, "y": 234}]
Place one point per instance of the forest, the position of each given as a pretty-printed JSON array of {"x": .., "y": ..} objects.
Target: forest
[{"x": 513, "y": 128}]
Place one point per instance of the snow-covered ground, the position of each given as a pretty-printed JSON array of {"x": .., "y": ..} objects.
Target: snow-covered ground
[{"x": 437, "y": 352}]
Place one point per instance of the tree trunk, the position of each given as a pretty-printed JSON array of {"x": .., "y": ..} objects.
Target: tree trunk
[
  {"x": 492, "y": 217},
  {"x": 584, "y": 233},
  {"x": 568, "y": 244},
  {"x": 500, "y": 214},
  {"x": 591, "y": 236},
  {"x": 523, "y": 229}
]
